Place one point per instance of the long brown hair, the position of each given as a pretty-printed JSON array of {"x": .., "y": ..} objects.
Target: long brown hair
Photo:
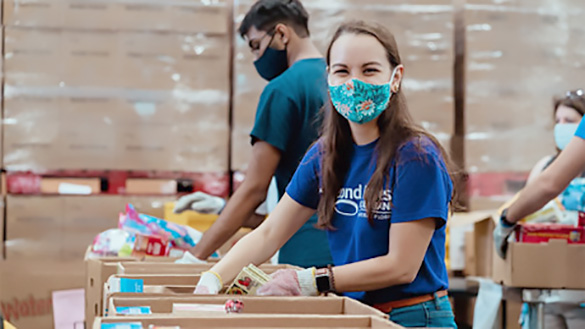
[{"x": 396, "y": 127}]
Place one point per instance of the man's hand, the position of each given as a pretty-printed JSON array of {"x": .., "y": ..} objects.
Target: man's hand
[
  {"x": 200, "y": 202},
  {"x": 188, "y": 258}
]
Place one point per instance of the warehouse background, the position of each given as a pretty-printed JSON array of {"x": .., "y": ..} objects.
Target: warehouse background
[{"x": 143, "y": 100}]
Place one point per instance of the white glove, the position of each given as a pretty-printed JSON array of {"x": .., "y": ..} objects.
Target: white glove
[
  {"x": 289, "y": 282},
  {"x": 210, "y": 283},
  {"x": 188, "y": 258},
  {"x": 200, "y": 202},
  {"x": 501, "y": 234}
]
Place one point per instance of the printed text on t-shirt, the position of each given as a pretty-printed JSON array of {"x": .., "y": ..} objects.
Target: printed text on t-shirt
[{"x": 350, "y": 203}]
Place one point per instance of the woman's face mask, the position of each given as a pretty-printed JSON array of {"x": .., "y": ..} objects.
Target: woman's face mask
[
  {"x": 359, "y": 101},
  {"x": 564, "y": 132}
]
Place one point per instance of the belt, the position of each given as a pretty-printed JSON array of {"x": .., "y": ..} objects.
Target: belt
[{"x": 389, "y": 306}]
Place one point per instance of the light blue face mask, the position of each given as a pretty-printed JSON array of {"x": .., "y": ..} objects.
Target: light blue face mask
[
  {"x": 359, "y": 101},
  {"x": 564, "y": 132}
]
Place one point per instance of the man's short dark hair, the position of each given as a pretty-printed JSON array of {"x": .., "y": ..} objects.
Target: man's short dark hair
[{"x": 266, "y": 14}]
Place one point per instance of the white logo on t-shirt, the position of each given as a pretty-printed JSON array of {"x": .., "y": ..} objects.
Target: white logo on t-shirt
[{"x": 350, "y": 203}]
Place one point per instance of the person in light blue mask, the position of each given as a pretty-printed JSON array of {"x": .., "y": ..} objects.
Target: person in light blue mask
[
  {"x": 381, "y": 187},
  {"x": 568, "y": 112}
]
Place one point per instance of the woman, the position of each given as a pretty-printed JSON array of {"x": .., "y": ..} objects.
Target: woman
[
  {"x": 387, "y": 240},
  {"x": 568, "y": 112},
  {"x": 549, "y": 179}
]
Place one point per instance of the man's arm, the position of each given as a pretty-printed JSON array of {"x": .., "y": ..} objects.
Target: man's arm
[
  {"x": 243, "y": 203},
  {"x": 552, "y": 181}
]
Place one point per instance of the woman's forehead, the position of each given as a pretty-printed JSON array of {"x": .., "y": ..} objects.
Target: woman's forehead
[{"x": 357, "y": 49}]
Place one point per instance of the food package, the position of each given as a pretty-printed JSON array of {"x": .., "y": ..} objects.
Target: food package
[
  {"x": 539, "y": 232},
  {"x": 248, "y": 281}
]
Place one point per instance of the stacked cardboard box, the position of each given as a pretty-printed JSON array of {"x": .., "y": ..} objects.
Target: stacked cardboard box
[
  {"x": 141, "y": 85},
  {"x": 520, "y": 54},
  {"x": 423, "y": 30}
]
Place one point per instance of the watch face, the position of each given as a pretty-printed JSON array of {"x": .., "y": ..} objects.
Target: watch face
[{"x": 323, "y": 283}]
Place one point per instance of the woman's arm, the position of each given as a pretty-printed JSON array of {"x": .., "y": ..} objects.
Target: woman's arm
[
  {"x": 569, "y": 164},
  {"x": 409, "y": 242},
  {"x": 258, "y": 246},
  {"x": 538, "y": 168}
]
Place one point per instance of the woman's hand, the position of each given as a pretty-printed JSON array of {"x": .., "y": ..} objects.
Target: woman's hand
[
  {"x": 210, "y": 283},
  {"x": 291, "y": 283}
]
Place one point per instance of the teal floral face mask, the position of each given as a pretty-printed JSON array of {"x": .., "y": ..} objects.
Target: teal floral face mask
[{"x": 359, "y": 101}]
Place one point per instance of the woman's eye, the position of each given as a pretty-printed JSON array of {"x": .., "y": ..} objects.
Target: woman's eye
[
  {"x": 371, "y": 70},
  {"x": 341, "y": 71}
]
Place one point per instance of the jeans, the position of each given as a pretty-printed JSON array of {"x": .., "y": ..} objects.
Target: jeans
[{"x": 436, "y": 313}]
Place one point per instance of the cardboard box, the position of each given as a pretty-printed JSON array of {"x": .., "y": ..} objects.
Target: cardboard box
[
  {"x": 257, "y": 305},
  {"x": 159, "y": 268},
  {"x": 187, "y": 16},
  {"x": 60, "y": 228},
  {"x": 80, "y": 186},
  {"x": 509, "y": 105},
  {"x": 106, "y": 59},
  {"x": 552, "y": 265},
  {"x": 165, "y": 133},
  {"x": 2, "y": 225},
  {"x": 97, "y": 271},
  {"x": 471, "y": 243},
  {"x": 260, "y": 321},
  {"x": 26, "y": 290}
]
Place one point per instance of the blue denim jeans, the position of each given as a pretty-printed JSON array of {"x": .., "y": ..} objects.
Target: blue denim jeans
[{"x": 436, "y": 313}]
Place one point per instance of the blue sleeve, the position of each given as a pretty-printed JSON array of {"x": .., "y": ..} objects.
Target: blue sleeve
[
  {"x": 275, "y": 119},
  {"x": 422, "y": 188},
  {"x": 304, "y": 186},
  {"x": 581, "y": 129}
]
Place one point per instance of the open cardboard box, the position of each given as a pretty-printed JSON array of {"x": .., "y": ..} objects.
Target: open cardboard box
[
  {"x": 471, "y": 245},
  {"x": 552, "y": 265},
  {"x": 258, "y": 321},
  {"x": 254, "y": 305},
  {"x": 165, "y": 268}
]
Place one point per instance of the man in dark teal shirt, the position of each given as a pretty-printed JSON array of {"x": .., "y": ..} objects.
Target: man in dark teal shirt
[{"x": 287, "y": 123}]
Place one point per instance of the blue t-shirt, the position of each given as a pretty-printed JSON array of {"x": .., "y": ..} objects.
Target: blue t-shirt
[
  {"x": 419, "y": 188},
  {"x": 581, "y": 129},
  {"x": 287, "y": 118}
]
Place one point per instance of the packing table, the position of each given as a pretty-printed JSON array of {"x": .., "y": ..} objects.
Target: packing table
[{"x": 536, "y": 299}]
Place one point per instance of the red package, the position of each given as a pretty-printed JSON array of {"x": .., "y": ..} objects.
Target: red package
[
  {"x": 538, "y": 232},
  {"x": 150, "y": 245}
]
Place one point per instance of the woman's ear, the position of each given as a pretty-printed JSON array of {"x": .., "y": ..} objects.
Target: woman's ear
[{"x": 397, "y": 78}]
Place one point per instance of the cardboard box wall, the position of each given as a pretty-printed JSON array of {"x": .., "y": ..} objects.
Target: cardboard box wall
[
  {"x": 423, "y": 31},
  {"x": 116, "y": 100},
  {"x": 61, "y": 227},
  {"x": 551, "y": 265},
  {"x": 259, "y": 321},
  {"x": 137, "y": 268},
  {"x": 171, "y": 15},
  {"x": 508, "y": 104},
  {"x": 257, "y": 305},
  {"x": 26, "y": 290}
]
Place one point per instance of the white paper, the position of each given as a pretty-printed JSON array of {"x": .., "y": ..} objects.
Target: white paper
[
  {"x": 68, "y": 188},
  {"x": 487, "y": 305}
]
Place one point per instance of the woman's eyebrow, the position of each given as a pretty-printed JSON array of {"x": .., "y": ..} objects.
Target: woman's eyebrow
[
  {"x": 372, "y": 63},
  {"x": 338, "y": 65}
]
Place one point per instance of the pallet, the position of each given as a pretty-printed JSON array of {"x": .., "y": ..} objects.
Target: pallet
[{"x": 91, "y": 182}]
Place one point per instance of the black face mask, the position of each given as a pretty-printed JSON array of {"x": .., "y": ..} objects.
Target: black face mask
[{"x": 272, "y": 63}]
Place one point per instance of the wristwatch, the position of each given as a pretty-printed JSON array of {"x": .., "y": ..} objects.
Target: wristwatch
[
  {"x": 504, "y": 219},
  {"x": 323, "y": 280}
]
